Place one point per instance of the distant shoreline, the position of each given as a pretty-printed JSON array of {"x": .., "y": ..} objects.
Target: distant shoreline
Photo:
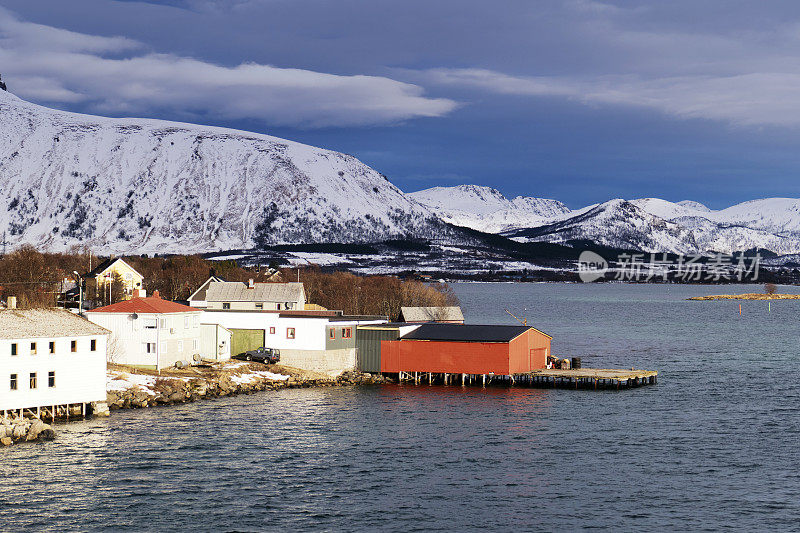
[{"x": 748, "y": 296}]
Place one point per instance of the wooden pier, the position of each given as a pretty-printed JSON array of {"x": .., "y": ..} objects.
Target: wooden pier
[
  {"x": 50, "y": 412},
  {"x": 592, "y": 377},
  {"x": 587, "y": 378}
]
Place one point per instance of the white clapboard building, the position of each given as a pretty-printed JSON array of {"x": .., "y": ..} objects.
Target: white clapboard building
[
  {"x": 321, "y": 341},
  {"x": 50, "y": 359},
  {"x": 150, "y": 332}
]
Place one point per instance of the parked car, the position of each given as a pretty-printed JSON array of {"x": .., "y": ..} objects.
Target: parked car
[{"x": 268, "y": 356}]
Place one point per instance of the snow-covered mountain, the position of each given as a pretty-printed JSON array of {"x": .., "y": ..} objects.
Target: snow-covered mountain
[
  {"x": 618, "y": 224},
  {"x": 646, "y": 224},
  {"x": 486, "y": 209},
  {"x": 140, "y": 185},
  {"x": 654, "y": 225},
  {"x": 144, "y": 186}
]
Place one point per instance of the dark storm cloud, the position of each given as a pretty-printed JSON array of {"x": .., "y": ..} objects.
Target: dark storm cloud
[
  {"x": 533, "y": 80},
  {"x": 56, "y": 65}
]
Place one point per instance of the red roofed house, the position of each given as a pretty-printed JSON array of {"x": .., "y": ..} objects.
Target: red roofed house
[{"x": 149, "y": 332}]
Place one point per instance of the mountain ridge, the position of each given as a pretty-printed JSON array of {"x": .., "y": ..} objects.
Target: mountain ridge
[
  {"x": 149, "y": 185},
  {"x": 128, "y": 185},
  {"x": 646, "y": 224}
]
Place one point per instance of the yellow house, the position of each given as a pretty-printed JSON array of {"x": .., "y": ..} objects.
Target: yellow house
[{"x": 109, "y": 269}]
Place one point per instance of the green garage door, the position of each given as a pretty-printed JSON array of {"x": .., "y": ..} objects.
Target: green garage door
[{"x": 243, "y": 340}]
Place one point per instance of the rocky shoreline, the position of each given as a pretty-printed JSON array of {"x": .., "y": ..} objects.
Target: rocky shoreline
[
  {"x": 166, "y": 390},
  {"x": 131, "y": 389},
  {"x": 15, "y": 430}
]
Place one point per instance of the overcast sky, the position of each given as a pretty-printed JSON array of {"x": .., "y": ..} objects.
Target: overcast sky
[{"x": 576, "y": 100}]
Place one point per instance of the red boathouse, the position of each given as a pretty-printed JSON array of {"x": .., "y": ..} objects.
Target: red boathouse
[{"x": 467, "y": 349}]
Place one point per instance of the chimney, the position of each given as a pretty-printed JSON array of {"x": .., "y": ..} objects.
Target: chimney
[
  {"x": 156, "y": 294},
  {"x": 11, "y": 302},
  {"x": 140, "y": 293},
  {"x": 251, "y": 284}
]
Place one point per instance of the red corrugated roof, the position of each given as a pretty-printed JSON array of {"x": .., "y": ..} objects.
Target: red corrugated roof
[{"x": 151, "y": 304}]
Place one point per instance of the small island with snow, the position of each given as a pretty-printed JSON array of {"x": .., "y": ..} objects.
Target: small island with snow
[{"x": 770, "y": 293}]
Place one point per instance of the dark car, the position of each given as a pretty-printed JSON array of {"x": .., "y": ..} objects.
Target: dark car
[{"x": 268, "y": 356}]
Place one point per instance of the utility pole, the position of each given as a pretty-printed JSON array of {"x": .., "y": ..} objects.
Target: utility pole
[{"x": 80, "y": 292}]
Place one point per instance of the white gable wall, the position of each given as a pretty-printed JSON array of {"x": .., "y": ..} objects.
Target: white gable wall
[
  {"x": 309, "y": 333},
  {"x": 176, "y": 337},
  {"x": 80, "y": 376},
  {"x": 215, "y": 342}
]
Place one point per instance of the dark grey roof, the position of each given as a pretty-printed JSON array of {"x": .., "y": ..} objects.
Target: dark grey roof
[
  {"x": 466, "y": 333},
  {"x": 200, "y": 294},
  {"x": 99, "y": 269},
  {"x": 353, "y": 318}
]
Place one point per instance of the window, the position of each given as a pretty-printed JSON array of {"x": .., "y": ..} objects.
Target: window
[
  {"x": 332, "y": 333},
  {"x": 150, "y": 323},
  {"x": 226, "y": 305},
  {"x": 195, "y": 345},
  {"x": 163, "y": 323},
  {"x": 93, "y": 345},
  {"x": 13, "y": 348},
  {"x": 51, "y": 379},
  {"x": 259, "y": 306},
  {"x": 149, "y": 347},
  {"x": 33, "y": 348},
  {"x": 13, "y": 383},
  {"x": 33, "y": 380},
  {"x": 186, "y": 322},
  {"x": 180, "y": 346},
  {"x": 347, "y": 333},
  {"x": 73, "y": 346},
  {"x": 279, "y": 307},
  {"x": 290, "y": 333},
  {"x": 52, "y": 347},
  {"x": 272, "y": 330},
  {"x": 196, "y": 321}
]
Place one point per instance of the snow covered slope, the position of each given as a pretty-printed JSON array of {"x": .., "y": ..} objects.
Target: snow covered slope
[
  {"x": 144, "y": 186},
  {"x": 486, "y": 209},
  {"x": 646, "y": 224},
  {"x": 139, "y": 185},
  {"x": 654, "y": 225},
  {"x": 617, "y": 224}
]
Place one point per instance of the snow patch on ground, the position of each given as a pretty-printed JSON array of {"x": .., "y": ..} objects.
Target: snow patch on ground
[
  {"x": 256, "y": 375},
  {"x": 122, "y": 381}
]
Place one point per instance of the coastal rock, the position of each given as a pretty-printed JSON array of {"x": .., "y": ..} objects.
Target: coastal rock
[
  {"x": 100, "y": 409},
  {"x": 177, "y": 397},
  {"x": 20, "y": 431},
  {"x": 37, "y": 426}
]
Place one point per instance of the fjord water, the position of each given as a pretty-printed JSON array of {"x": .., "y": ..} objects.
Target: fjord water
[{"x": 715, "y": 445}]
